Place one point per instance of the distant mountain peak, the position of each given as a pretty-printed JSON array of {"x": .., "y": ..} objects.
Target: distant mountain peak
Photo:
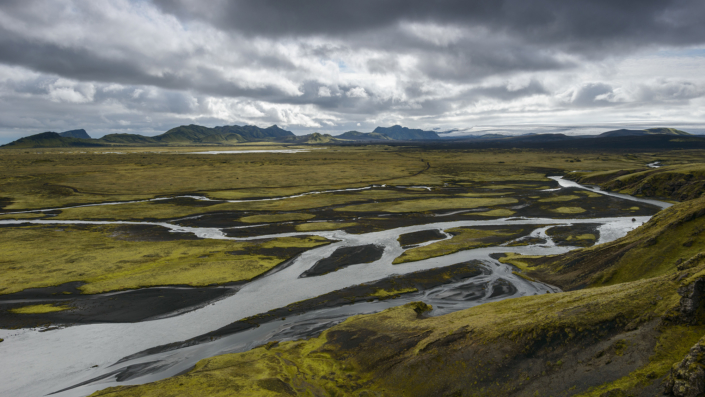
[
  {"x": 81, "y": 134},
  {"x": 398, "y": 132}
]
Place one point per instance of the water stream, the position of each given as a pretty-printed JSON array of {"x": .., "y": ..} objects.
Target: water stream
[{"x": 35, "y": 363}]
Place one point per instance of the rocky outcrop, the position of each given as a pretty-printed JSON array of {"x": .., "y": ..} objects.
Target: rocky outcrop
[
  {"x": 687, "y": 378},
  {"x": 691, "y": 300}
]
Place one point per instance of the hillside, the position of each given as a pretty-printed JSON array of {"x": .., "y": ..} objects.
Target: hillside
[
  {"x": 252, "y": 132},
  {"x": 400, "y": 133},
  {"x": 677, "y": 182},
  {"x": 81, "y": 134},
  {"x": 650, "y": 131},
  {"x": 129, "y": 139},
  {"x": 182, "y": 135},
  {"x": 50, "y": 139},
  {"x": 363, "y": 136}
]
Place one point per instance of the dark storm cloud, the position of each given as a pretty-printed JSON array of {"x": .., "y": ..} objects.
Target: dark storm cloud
[
  {"x": 132, "y": 68},
  {"x": 577, "y": 24}
]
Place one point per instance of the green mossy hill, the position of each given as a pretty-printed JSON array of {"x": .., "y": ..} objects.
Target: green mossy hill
[
  {"x": 677, "y": 182},
  {"x": 575, "y": 343},
  {"x": 197, "y": 134},
  {"x": 406, "y": 134},
  {"x": 649, "y": 131},
  {"x": 129, "y": 139},
  {"x": 182, "y": 135},
  {"x": 363, "y": 136},
  {"x": 50, "y": 139},
  {"x": 666, "y": 131},
  {"x": 225, "y": 134},
  {"x": 81, "y": 134},
  {"x": 660, "y": 246}
]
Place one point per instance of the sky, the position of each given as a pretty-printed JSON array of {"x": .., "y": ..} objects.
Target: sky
[{"x": 145, "y": 66}]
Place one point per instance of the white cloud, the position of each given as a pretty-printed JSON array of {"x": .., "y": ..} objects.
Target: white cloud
[
  {"x": 324, "y": 92},
  {"x": 357, "y": 92}
]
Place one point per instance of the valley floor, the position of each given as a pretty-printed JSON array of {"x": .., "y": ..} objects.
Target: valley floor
[{"x": 162, "y": 261}]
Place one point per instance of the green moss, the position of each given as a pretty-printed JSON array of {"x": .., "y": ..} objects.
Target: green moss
[
  {"x": 568, "y": 210},
  {"x": 267, "y": 218},
  {"x": 673, "y": 344},
  {"x": 500, "y": 212},
  {"x": 101, "y": 257},
  {"x": 383, "y": 352},
  {"x": 463, "y": 239},
  {"x": 384, "y": 294},
  {"x": 428, "y": 205},
  {"x": 316, "y": 226},
  {"x": 586, "y": 236},
  {"x": 39, "y": 309},
  {"x": 556, "y": 199}
]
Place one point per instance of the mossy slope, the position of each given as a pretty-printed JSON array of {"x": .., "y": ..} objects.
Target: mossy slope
[
  {"x": 677, "y": 182},
  {"x": 670, "y": 238}
]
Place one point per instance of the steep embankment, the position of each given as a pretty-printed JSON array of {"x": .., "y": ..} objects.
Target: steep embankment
[
  {"x": 669, "y": 239},
  {"x": 640, "y": 312},
  {"x": 677, "y": 182}
]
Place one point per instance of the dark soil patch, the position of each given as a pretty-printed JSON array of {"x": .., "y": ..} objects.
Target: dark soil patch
[
  {"x": 423, "y": 236},
  {"x": 344, "y": 257},
  {"x": 5, "y": 201},
  {"x": 117, "y": 307},
  {"x": 502, "y": 287}
]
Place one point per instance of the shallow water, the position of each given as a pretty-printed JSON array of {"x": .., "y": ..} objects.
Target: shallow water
[{"x": 38, "y": 363}]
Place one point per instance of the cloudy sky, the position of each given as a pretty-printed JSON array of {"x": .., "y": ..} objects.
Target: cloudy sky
[{"x": 145, "y": 66}]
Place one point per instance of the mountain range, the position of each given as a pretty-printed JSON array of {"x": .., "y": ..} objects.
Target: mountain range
[{"x": 233, "y": 134}]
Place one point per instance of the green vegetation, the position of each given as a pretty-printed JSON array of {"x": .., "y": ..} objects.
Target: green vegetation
[
  {"x": 500, "y": 212},
  {"x": 558, "y": 199},
  {"x": 679, "y": 182},
  {"x": 38, "y": 309},
  {"x": 267, "y": 218},
  {"x": 106, "y": 260},
  {"x": 385, "y": 294},
  {"x": 622, "y": 297},
  {"x": 463, "y": 239},
  {"x": 316, "y": 226},
  {"x": 670, "y": 239},
  {"x": 568, "y": 210},
  {"x": 428, "y": 205},
  {"x": 397, "y": 352}
]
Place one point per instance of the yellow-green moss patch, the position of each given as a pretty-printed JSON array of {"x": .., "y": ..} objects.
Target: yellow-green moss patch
[
  {"x": 568, "y": 210},
  {"x": 428, "y": 205},
  {"x": 318, "y": 226},
  {"x": 557, "y": 199},
  {"x": 267, "y": 218},
  {"x": 383, "y": 293},
  {"x": 496, "y": 212},
  {"x": 101, "y": 257},
  {"x": 39, "y": 309}
]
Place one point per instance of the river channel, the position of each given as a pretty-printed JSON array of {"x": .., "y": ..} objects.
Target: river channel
[{"x": 78, "y": 360}]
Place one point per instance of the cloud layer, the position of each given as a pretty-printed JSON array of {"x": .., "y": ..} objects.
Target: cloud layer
[{"x": 141, "y": 66}]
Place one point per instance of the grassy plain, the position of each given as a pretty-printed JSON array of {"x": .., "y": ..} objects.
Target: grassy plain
[
  {"x": 59, "y": 177},
  {"x": 106, "y": 260}
]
